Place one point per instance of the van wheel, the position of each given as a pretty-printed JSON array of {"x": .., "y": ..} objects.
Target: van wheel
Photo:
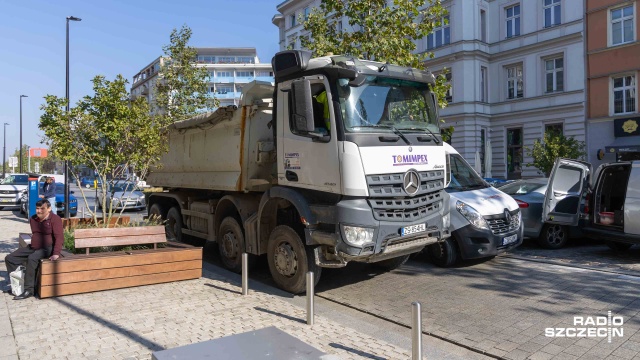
[
  {"x": 173, "y": 226},
  {"x": 290, "y": 260},
  {"x": 231, "y": 245},
  {"x": 443, "y": 253},
  {"x": 618, "y": 246},
  {"x": 392, "y": 264},
  {"x": 553, "y": 236}
]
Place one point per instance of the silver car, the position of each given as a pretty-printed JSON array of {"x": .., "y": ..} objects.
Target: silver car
[
  {"x": 125, "y": 195},
  {"x": 529, "y": 194}
]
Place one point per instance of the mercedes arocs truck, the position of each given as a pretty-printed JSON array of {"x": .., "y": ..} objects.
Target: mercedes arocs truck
[{"x": 341, "y": 160}]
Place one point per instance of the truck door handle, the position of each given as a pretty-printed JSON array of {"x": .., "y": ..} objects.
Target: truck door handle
[
  {"x": 291, "y": 176},
  {"x": 388, "y": 138}
]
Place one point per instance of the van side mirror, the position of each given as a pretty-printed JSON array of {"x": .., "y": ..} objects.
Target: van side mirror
[{"x": 302, "y": 106}]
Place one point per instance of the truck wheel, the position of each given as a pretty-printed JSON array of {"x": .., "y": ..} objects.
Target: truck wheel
[
  {"x": 443, "y": 253},
  {"x": 290, "y": 260},
  {"x": 231, "y": 245},
  {"x": 618, "y": 246},
  {"x": 155, "y": 211},
  {"x": 173, "y": 226},
  {"x": 392, "y": 264},
  {"x": 553, "y": 236}
]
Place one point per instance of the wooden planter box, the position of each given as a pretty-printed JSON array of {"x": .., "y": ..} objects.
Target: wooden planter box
[
  {"x": 77, "y": 274},
  {"x": 72, "y": 223}
]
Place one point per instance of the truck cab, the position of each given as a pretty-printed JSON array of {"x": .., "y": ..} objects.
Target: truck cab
[{"x": 607, "y": 200}]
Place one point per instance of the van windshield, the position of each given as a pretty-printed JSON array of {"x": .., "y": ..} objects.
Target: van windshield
[
  {"x": 463, "y": 177},
  {"x": 16, "y": 180}
]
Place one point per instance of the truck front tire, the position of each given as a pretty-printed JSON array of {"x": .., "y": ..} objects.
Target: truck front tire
[
  {"x": 173, "y": 226},
  {"x": 231, "y": 245},
  {"x": 290, "y": 260}
]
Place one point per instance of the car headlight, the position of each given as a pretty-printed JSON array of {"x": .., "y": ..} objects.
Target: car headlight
[
  {"x": 472, "y": 215},
  {"x": 357, "y": 235}
]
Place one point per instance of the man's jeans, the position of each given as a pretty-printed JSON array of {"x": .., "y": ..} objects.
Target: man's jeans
[{"x": 52, "y": 200}]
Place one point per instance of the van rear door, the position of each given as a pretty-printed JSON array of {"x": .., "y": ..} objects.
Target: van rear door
[
  {"x": 569, "y": 180},
  {"x": 632, "y": 201}
]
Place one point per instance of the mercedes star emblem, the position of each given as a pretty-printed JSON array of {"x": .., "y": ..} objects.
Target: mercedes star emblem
[{"x": 411, "y": 182}]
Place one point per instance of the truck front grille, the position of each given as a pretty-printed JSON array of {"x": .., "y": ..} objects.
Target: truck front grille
[
  {"x": 390, "y": 201},
  {"x": 499, "y": 224}
]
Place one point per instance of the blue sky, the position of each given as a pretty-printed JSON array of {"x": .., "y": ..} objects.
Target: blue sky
[{"x": 114, "y": 37}]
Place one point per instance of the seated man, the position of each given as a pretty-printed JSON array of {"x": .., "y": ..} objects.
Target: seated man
[{"x": 46, "y": 241}]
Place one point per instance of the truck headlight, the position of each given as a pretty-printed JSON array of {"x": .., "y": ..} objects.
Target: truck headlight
[
  {"x": 357, "y": 235},
  {"x": 472, "y": 215}
]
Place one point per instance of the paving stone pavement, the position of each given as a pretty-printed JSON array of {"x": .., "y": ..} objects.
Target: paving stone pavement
[{"x": 132, "y": 323}]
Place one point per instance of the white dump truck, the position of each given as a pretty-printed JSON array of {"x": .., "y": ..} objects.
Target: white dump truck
[{"x": 342, "y": 160}]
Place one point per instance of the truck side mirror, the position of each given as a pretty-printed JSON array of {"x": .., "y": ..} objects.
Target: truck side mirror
[{"x": 302, "y": 106}]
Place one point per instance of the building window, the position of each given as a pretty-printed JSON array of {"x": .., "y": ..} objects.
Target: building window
[
  {"x": 515, "y": 86},
  {"x": 483, "y": 25},
  {"x": 265, "y": 73},
  {"x": 513, "y": 21},
  {"x": 554, "y": 75},
  {"x": 292, "y": 20},
  {"x": 245, "y": 59},
  {"x": 552, "y": 11},
  {"x": 440, "y": 35},
  {"x": 624, "y": 94},
  {"x": 244, "y": 73},
  {"x": 484, "y": 88},
  {"x": 514, "y": 153},
  {"x": 449, "y": 95},
  {"x": 226, "y": 60},
  {"x": 557, "y": 129},
  {"x": 223, "y": 89},
  {"x": 307, "y": 11},
  {"x": 223, "y": 74},
  {"x": 339, "y": 26},
  {"x": 622, "y": 25}
]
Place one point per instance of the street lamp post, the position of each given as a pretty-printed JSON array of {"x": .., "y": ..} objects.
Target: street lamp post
[
  {"x": 66, "y": 163},
  {"x": 4, "y": 152},
  {"x": 21, "y": 96}
]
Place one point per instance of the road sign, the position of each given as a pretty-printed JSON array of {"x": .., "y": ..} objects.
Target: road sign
[
  {"x": 13, "y": 161},
  {"x": 37, "y": 166}
]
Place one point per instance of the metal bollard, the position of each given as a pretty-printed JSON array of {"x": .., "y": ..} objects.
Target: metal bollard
[
  {"x": 82, "y": 213},
  {"x": 245, "y": 274},
  {"x": 416, "y": 331},
  {"x": 310, "y": 295}
]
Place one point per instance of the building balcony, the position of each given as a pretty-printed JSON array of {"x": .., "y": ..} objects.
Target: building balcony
[
  {"x": 223, "y": 80},
  {"x": 228, "y": 95}
]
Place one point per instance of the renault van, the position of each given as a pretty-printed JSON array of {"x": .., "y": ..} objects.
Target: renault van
[
  {"x": 608, "y": 200},
  {"x": 484, "y": 220}
]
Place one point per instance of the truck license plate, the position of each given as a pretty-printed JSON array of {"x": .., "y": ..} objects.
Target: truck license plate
[
  {"x": 510, "y": 239},
  {"x": 413, "y": 229}
]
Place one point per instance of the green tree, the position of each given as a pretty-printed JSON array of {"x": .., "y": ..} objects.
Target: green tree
[
  {"x": 381, "y": 32},
  {"x": 108, "y": 131},
  {"x": 181, "y": 88},
  {"x": 554, "y": 145}
]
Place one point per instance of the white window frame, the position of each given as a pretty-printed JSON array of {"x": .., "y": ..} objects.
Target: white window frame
[
  {"x": 439, "y": 33},
  {"x": 555, "y": 4},
  {"x": 610, "y": 22},
  {"x": 514, "y": 79},
  {"x": 634, "y": 91},
  {"x": 510, "y": 22},
  {"x": 554, "y": 71}
]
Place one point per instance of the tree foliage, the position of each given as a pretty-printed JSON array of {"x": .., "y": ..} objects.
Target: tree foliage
[
  {"x": 553, "y": 146},
  {"x": 108, "y": 132},
  {"x": 377, "y": 32},
  {"x": 181, "y": 88}
]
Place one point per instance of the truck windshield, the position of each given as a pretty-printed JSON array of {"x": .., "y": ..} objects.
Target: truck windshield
[
  {"x": 381, "y": 104},
  {"x": 16, "y": 180},
  {"x": 463, "y": 177}
]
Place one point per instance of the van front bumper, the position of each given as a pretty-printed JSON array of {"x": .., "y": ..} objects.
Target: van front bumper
[{"x": 477, "y": 243}]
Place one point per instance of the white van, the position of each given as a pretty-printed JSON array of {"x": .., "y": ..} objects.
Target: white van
[
  {"x": 608, "y": 200},
  {"x": 484, "y": 220}
]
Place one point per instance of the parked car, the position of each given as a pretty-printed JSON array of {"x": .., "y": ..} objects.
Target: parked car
[
  {"x": 484, "y": 220},
  {"x": 11, "y": 189},
  {"x": 125, "y": 195},
  {"x": 612, "y": 199},
  {"x": 530, "y": 195},
  {"x": 73, "y": 202},
  {"x": 90, "y": 182}
]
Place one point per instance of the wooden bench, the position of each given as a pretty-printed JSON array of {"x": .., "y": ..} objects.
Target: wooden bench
[{"x": 77, "y": 274}]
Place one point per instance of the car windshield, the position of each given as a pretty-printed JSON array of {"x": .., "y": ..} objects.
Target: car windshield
[
  {"x": 16, "y": 180},
  {"x": 521, "y": 187},
  {"x": 380, "y": 104},
  {"x": 123, "y": 187},
  {"x": 463, "y": 177}
]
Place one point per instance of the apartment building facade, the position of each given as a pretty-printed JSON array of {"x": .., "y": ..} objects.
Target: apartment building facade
[
  {"x": 508, "y": 64},
  {"x": 229, "y": 70},
  {"x": 613, "y": 67}
]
